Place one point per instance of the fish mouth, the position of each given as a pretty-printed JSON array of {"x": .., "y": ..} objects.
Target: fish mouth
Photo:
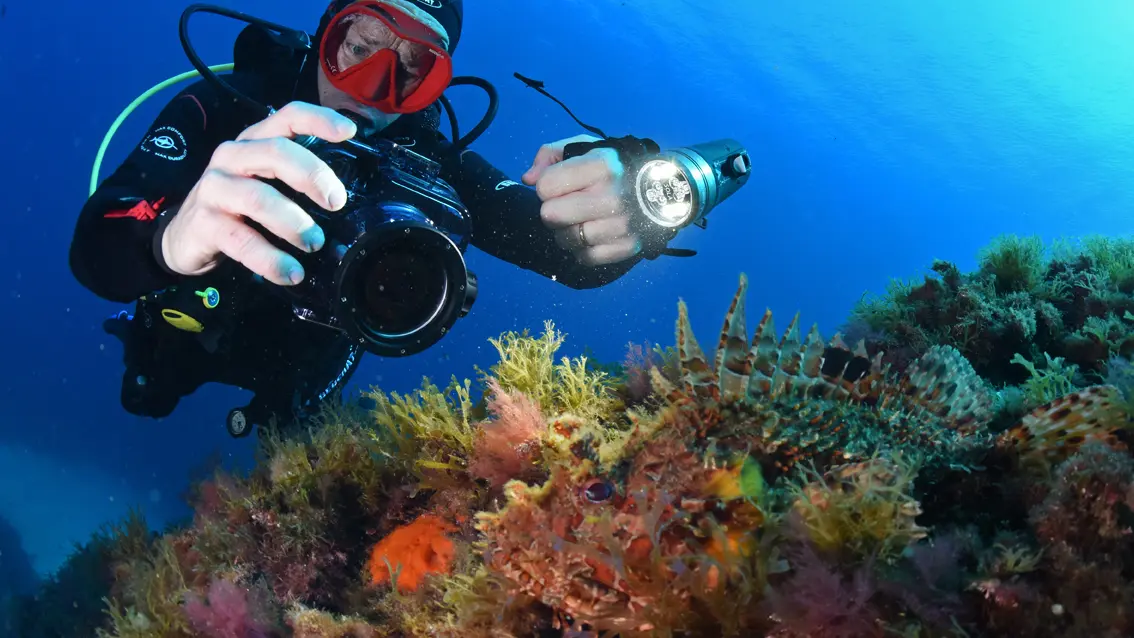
[
  {"x": 595, "y": 602},
  {"x": 581, "y": 594}
]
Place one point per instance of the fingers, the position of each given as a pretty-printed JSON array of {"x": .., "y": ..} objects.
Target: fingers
[
  {"x": 299, "y": 118},
  {"x": 213, "y": 220},
  {"x": 576, "y": 208},
  {"x": 283, "y": 159},
  {"x": 597, "y": 168},
  {"x": 613, "y": 252},
  {"x": 545, "y": 157},
  {"x": 549, "y": 155},
  {"x": 597, "y": 232},
  {"x": 243, "y": 244},
  {"x": 339, "y": 250},
  {"x": 262, "y": 204},
  {"x": 607, "y": 241},
  {"x": 265, "y": 150}
]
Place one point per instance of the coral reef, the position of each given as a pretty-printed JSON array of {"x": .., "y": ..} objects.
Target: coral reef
[
  {"x": 410, "y": 553},
  {"x": 780, "y": 485},
  {"x": 72, "y": 602},
  {"x": 508, "y": 446},
  {"x": 229, "y": 611},
  {"x": 1070, "y": 303}
]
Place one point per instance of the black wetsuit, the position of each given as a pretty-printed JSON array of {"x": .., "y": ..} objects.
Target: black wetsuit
[{"x": 289, "y": 364}]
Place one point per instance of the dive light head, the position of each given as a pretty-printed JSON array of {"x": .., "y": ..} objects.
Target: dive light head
[{"x": 680, "y": 187}]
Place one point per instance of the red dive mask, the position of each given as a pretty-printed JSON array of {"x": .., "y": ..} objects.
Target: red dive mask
[{"x": 384, "y": 58}]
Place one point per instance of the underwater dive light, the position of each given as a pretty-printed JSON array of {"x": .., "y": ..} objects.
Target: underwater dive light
[
  {"x": 680, "y": 187},
  {"x": 672, "y": 189}
]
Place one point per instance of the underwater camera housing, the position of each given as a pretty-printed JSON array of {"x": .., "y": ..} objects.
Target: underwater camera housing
[{"x": 392, "y": 273}]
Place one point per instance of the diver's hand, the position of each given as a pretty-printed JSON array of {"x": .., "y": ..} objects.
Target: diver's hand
[
  {"x": 583, "y": 202},
  {"x": 210, "y": 222}
]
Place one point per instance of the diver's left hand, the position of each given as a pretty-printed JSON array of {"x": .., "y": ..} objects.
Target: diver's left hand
[{"x": 583, "y": 202}]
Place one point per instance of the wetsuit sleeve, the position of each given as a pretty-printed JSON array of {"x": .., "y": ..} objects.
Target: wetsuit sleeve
[
  {"x": 506, "y": 224},
  {"x": 112, "y": 251}
]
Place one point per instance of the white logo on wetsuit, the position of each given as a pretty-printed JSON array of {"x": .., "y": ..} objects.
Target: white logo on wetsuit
[
  {"x": 433, "y": 4},
  {"x": 505, "y": 184},
  {"x": 167, "y": 143},
  {"x": 339, "y": 379}
]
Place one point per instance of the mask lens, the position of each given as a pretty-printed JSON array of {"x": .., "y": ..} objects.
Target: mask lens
[{"x": 385, "y": 59}]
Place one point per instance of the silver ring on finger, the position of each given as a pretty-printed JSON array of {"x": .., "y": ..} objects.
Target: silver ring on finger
[{"x": 583, "y": 235}]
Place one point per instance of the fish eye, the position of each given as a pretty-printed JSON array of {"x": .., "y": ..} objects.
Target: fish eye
[{"x": 597, "y": 491}]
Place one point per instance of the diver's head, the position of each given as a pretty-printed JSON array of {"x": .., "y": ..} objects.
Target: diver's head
[{"x": 383, "y": 58}]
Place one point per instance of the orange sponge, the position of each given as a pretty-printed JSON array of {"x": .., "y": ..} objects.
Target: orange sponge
[{"x": 413, "y": 551}]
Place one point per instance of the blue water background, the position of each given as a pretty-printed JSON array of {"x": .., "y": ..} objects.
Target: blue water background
[{"x": 884, "y": 135}]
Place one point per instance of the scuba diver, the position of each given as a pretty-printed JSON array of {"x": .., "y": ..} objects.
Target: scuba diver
[{"x": 273, "y": 226}]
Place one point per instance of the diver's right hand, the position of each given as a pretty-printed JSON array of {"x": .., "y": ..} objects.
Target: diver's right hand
[{"x": 210, "y": 222}]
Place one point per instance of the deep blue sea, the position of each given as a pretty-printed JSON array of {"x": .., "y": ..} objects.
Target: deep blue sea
[{"x": 883, "y": 135}]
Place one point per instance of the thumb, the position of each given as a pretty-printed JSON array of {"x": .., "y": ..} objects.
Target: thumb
[{"x": 548, "y": 155}]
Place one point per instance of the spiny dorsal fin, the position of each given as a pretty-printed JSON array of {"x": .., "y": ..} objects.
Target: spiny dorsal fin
[
  {"x": 762, "y": 356},
  {"x": 790, "y": 348},
  {"x": 731, "y": 363},
  {"x": 1054, "y": 431},
  {"x": 943, "y": 382},
  {"x": 663, "y": 387},
  {"x": 696, "y": 374},
  {"x": 813, "y": 353}
]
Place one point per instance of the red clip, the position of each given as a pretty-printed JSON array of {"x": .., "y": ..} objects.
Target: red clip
[{"x": 143, "y": 211}]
